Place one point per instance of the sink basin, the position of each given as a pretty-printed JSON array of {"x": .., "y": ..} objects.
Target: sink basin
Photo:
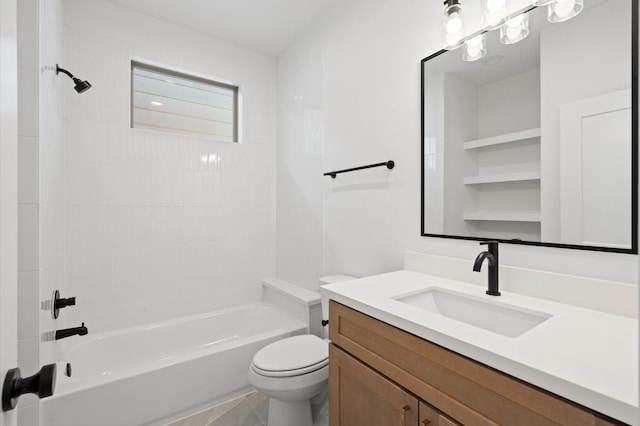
[{"x": 491, "y": 315}]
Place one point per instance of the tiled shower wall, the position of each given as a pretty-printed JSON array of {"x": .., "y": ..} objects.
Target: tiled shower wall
[{"x": 159, "y": 225}]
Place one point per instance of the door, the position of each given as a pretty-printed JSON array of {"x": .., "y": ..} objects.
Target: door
[
  {"x": 8, "y": 196},
  {"x": 595, "y": 171},
  {"x": 359, "y": 396}
]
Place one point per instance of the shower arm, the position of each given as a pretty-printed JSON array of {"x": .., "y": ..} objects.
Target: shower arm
[{"x": 62, "y": 70}]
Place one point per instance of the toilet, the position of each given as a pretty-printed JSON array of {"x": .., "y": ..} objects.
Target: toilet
[{"x": 291, "y": 372}]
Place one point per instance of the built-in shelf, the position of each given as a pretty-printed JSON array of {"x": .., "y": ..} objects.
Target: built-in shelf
[
  {"x": 503, "y": 216},
  {"x": 506, "y": 177},
  {"x": 520, "y": 136}
]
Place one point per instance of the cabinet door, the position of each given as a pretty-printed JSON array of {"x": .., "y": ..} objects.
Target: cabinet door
[
  {"x": 359, "y": 396},
  {"x": 429, "y": 416}
]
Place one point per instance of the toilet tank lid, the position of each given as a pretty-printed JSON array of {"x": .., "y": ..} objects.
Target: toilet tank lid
[
  {"x": 330, "y": 279},
  {"x": 292, "y": 353}
]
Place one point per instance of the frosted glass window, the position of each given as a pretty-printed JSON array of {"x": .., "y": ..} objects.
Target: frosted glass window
[{"x": 174, "y": 102}]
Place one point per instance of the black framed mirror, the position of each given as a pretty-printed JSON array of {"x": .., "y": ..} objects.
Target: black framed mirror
[{"x": 536, "y": 142}]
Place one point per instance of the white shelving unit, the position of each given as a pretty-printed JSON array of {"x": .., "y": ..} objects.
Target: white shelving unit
[
  {"x": 521, "y": 136},
  {"x": 507, "y": 177},
  {"x": 503, "y": 216},
  {"x": 483, "y": 149}
]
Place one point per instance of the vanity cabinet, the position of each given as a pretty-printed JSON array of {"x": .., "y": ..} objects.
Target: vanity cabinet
[
  {"x": 381, "y": 375},
  {"x": 362, "y": 397}
]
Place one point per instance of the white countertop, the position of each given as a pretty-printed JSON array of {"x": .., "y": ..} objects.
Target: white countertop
[{"x": 586, "y": 356}]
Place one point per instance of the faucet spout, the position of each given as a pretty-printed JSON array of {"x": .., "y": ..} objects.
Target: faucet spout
[
  {"x": 477, "y": 265},
  {"x": 491, "y": 256},
  {"x": 68, "y": 332}
]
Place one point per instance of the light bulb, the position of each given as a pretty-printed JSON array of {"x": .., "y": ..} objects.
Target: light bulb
[
  {"x": 454, "y": 24},
  {"x": 515, "y": 29},
  {"x": 473, "y": 51},
  {"x": 495, "y": 5},
  {"x": 475, "y": 48}
]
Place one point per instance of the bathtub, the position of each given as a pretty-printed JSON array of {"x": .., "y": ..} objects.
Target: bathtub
[{"x": 152, "y": 374}]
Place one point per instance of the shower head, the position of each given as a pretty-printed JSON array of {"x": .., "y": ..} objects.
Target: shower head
[{"x": 80, "y": 86}]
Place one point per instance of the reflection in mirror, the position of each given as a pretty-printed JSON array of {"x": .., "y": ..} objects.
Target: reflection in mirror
[{"x": 535, "y": 142}]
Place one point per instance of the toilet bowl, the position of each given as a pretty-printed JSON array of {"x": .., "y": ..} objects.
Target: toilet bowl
[{"x": 290, "y": 372}]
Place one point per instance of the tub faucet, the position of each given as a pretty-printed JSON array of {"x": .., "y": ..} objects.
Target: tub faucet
[
  {"x": 492, "y": 256},
  {"x": 68, "y": 332}
]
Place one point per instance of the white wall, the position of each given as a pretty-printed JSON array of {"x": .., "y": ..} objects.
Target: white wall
[
  {"x": 160, "y": 226},
  {"x": 371, "y": 52},
  {"x": 571, "y": 74},
  {"x": 300, "y": 165}
]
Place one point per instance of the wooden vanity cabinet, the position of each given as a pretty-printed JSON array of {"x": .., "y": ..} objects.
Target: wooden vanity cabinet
[
  {"x": 359, "y": 396},
  {"x": 381, "y": 375}
]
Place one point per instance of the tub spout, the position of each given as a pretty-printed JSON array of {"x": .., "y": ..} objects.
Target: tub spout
[{"x": 68, "y": 332}]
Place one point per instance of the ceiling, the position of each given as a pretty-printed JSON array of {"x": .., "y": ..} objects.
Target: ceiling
[{"x": 268, "y": 26}]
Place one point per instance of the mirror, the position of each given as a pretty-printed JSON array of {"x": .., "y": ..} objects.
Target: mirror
[{"x": 535, "y": 143}]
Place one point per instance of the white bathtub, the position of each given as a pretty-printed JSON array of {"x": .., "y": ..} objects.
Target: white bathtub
[{"x": 150, "y": 374}]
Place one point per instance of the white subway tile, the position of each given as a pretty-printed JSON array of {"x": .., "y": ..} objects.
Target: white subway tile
[
  {"x": 27, "y": 170},
  {"x": 27, "y": 237},
  {"x": 29, "y": 304},
  {"x": 28, "y": 412}
]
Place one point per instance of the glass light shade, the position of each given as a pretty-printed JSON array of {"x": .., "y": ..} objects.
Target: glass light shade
[
  {"x": 494, "y": 13},
  {"x": 563, "y": 10},
  {"x": 475, "y": 48},
  {"x": 452, "y": 27},
  {"x": 515, "y": 29}
]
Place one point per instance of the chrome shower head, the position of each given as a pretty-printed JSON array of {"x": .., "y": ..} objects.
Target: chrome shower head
[{"x": 80, "y": 86}]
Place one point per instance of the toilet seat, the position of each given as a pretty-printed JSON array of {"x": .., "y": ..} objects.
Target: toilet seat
[{"x": 293, "y": 356}]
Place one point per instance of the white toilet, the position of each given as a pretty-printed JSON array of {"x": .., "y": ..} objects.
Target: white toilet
[{"x": 291, "y": 372}]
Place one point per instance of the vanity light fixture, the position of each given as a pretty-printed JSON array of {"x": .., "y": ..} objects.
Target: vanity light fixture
[
  {"x": 475, "y": 48},
  {"x": 494, "y": 13},
  {"x": 563, "y": 10},
  {"x": 515, "y": 29},
  {"x": 452, "y": 25}
]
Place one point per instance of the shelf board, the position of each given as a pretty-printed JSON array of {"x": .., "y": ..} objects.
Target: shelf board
[
  {"x": 506, "y": 177},
  {"x": 500, "y": 139},
  {"x": 503, "y": 216}
]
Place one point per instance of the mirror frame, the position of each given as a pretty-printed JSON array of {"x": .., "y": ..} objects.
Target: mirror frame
[{"x": 634, "y": 159}]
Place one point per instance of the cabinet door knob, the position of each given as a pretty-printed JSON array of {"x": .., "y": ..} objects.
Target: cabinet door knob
[
  {"x": 425, "y": 422},
  {"x": 403, "y": 416}
]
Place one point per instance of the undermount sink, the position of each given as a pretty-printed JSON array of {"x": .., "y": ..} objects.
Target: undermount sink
[{"x": 493, "y": 316}]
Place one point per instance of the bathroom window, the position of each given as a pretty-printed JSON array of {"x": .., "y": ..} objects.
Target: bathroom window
[{"x": 176, "y": 102}]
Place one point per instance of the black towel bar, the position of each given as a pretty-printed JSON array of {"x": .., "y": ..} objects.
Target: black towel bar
[{"x": 389, "y": 164}]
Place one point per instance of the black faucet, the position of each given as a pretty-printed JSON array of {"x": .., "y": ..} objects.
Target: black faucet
[
  {"x": 492, "y": 256},
  {"x": 68, "y": 332}
]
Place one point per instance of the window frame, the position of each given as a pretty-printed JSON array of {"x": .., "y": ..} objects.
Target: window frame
[{"x": 195, "y": 77}]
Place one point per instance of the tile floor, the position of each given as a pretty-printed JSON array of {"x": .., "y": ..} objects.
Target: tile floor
[{"x": 247, "y": 410}]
